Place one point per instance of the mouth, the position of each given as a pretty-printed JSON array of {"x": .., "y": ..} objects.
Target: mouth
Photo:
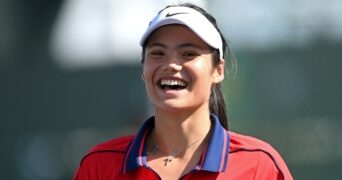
[{"x": 172, "y": 84}]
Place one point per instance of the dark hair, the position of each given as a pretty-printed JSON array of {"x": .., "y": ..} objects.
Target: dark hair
[{"x": 217, "y": 103}]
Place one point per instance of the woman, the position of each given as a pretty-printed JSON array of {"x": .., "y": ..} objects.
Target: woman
[{"x": 187, "y": 138}]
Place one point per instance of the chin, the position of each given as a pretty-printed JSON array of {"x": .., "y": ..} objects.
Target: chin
[{"x": 176, "y": 107}]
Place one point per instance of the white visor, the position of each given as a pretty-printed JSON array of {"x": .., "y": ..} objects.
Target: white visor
[{"x": 192, "y": 19}]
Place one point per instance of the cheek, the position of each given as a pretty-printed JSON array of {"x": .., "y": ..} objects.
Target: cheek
[
  {"x": 202, "y": 70},
  {"x": 147, "y": 72}
]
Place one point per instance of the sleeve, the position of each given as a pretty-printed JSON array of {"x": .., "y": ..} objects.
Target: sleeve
[
  {"x": 270, "y": 168},
  {"x": 86, "y": 170}
]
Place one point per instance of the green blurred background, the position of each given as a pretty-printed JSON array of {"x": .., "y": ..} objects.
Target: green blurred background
[{"x": 55, "y": 106}]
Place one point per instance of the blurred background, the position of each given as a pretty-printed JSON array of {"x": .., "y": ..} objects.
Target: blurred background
[{"x": 70, "y": 78}]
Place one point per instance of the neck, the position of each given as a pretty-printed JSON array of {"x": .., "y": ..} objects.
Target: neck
[{"x": 175, "y": 131}]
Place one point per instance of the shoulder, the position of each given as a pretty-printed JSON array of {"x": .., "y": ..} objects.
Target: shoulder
[
  {"x": 104, "y": 160},
  {"x": 242, "y": 142},
  {"x": 265, "y": 158},
  {"x": 116, "y": 147}
]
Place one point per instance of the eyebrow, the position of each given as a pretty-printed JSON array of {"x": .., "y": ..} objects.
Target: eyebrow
[
  {"x": 157, "y": 44},
  {"x": 184, "y": 45}
]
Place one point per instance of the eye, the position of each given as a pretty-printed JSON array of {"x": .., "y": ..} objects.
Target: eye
[
  {"x": 156, "y": 54},
  {"x": 190, "y": 54}
]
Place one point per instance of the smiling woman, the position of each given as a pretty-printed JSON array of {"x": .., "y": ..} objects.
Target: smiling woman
[
  {"x": 179, "y": 58},
  {"x": 187, "y": 138}
]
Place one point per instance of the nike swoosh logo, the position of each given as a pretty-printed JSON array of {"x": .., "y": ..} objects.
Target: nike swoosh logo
[{"x": 173, "y": 14}]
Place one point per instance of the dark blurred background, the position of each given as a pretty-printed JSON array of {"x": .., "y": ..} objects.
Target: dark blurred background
[{"x": 70, "y": 78}]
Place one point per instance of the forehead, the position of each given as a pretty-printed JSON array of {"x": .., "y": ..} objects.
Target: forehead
[{"x": 175, "y": 34}]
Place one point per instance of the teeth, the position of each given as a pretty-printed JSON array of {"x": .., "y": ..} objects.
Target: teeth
[{"x": 172, "y": 83}]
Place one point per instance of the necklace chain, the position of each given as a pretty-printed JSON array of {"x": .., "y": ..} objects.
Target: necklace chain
[{"x": 170, "y": 157}]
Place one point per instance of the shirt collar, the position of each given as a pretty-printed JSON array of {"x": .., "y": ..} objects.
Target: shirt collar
[{"x": 214, "y": 157}]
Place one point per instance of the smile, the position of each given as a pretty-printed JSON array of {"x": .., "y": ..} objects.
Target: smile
[{"x": 172, "y": 84}]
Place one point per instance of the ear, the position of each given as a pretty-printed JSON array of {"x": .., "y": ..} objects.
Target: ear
[
  {"x": 142, "y": 77},
  {"x": 218, "y": 74}
]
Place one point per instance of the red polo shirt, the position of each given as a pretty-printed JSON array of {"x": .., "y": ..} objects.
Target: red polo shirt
[{"x": 227, "y": 156}]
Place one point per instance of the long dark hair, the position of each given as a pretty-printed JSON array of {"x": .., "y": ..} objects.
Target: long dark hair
[{"x": 217, "y": 103}]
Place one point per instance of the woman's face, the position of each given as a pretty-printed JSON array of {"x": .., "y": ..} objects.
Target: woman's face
[{"x": 178, "y": 69}]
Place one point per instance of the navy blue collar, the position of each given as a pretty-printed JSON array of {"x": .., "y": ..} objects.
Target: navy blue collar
[{"x": 214, "y": 157}]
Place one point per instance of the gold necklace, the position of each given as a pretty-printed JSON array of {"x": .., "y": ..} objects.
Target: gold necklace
[{"x": 169, "y": 157}]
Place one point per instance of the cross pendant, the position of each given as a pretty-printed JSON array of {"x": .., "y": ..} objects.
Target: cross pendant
[{"x": 168, "y": 159}]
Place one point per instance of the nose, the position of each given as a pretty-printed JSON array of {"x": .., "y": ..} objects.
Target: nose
[{"x": 172, "y": 64}]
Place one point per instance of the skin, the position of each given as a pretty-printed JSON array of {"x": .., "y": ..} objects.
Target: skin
[{"x": 174, "y": 52}]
